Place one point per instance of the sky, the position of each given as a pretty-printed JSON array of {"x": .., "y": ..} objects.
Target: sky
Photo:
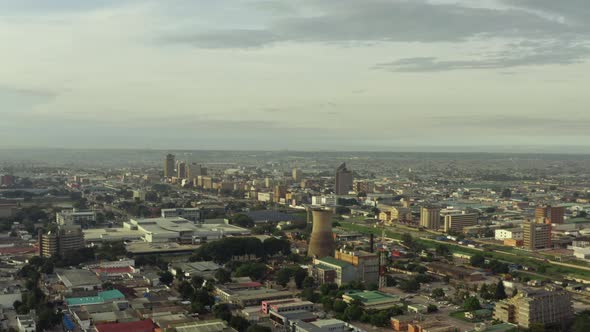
[{"x": 297, "y": 74}]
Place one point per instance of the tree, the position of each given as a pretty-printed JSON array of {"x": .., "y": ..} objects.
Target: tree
[
  {"x": 308, "y": 282},
  {"x": 353, "y": 312},
  {"x": 407, "y": 239},
  {"x": 186, "y": 290},
  {"x": 273, "y": 246},
  {"x": 411, "y": 285},
  {"x": 256, "y": 271},
  {"x": 325, "y": 289},
  {"x": 477, "y": 260},
  {"x": 223, "y": 276},
  {"x": 339, "y": 305},
  {"x": 582, "y": 322},
  {"x": 222, "y": 311},
  {"x": 500, "y": 292},
  {"x": 258, "y": 328},
  {"x": 438, "y": 293},
  {"x": 283, "y": 276},
  {"x": 242, "y": 220},
  {"x": 239, "y": 323},
  {"x": 431, "y": 308},
  {"x": 166, "y": 277},
  {"x": 471, "y": 304},
  {"x": 300, "y": 275},
  {"x": 442, "y": 250}
]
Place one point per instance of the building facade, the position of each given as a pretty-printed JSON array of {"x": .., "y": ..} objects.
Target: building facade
[
  {"x": 169, "y": 166},
  {"x": 430, "y": 217},
  {"x": 536, "y": 235},
  {"x": 550, "y": 214},
  {"x": 60, "y": 242},
  {"x": 546, "y": 306},
  {"x": 343, "y": 183},
  {"x": 456, "y": 222}
]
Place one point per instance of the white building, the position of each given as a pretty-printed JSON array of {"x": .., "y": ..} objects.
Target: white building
[
  {"x": 26, "y": 323},
  {"x": 581, "y": 248},
  {"x": 192, "y": 214},
  {"x": 509, "y": 234},
  {"x": 265, "y": 197},
  {"x": 75, "y": 217},
  {"x": 164, "y": 230}
]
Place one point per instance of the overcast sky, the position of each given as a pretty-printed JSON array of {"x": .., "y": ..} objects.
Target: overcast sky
[{"x": 297, "y": 74}]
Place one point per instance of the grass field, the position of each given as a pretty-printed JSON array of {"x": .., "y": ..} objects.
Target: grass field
[{"x": 552, "y": 271}]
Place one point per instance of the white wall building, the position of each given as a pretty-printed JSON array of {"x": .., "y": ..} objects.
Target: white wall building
[{"x": 510, "y": 233}]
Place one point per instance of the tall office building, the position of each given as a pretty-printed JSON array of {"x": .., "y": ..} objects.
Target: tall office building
[
  {"x": 430, "y": 217},
  {"x": 193, "y": 170},
  {"x": 536, "y": 235},
  {"x": 280, "y": 192},
  {"x": 169, "y": 166},
  {"x": 296, "y": 174},
  {"x": 456, "y": 222},
  {"x": 536, "y": 306},
  {"x": 61, "y": 242},
  {"x": 550, "y": 214},
  {"x": 343, "y": 180},
  {"x": 181, "y": 169}
]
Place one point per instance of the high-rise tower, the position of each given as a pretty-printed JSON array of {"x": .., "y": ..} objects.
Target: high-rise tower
[
  {"x": 169, "y": 166},
  {"x": 343, "y": 182},
  {"x": 321, "y": 243}
]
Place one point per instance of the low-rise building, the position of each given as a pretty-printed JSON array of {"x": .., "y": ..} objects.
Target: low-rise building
[
  {"x": 375, "y": 300},
  {"x": 75, "y": 217},
  {"x": 516, "y": 233},
  {"x": 26, "y": 323},
  {"x": 551, "y": 305}
]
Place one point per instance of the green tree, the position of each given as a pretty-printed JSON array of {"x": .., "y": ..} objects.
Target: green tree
[
  {"x": 166, "y": 277},
  {"x": 222, "y": 311},
  {"x": 471, "y": 304},
  {"x": 438, "y": 293},
  {"x": 500, "y": 292},
  {"x": 411, "y": 285},
  {"x": 442, "y": 250},
  {"x": 300, "y": 275},
  {"x": 477, "y": 260},
  {"x": 582, "y": 322},
  {"x": 256, "y": 271},
  {"x": 432, "y": 308},
  {"x": 258, "y": 328},
  {"x": 239, "y": 323},
  {"x": 339, "y": 305},
  {"x": 283, "y": 276},
  {"x": 353, "y": 312},
  {"x": 186, "y": 290},
  {"x": 242, "y": 220},
  {"x": 407, "y": 239},
  {"x": 308, "y": 282},
  {"x": 223, "y": 276}
]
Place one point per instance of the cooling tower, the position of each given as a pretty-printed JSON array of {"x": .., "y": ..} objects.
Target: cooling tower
[{"x": 322, "y": 240}]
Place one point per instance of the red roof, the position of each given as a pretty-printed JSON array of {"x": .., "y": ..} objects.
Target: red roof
[
  {"x": 18, "y": 250},
  {"x": 139, "y": 326},
  {"x": 251, "y": 284},
  {"x": 113, "y": 270}
]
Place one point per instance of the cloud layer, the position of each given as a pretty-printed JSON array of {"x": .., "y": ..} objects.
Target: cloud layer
[{"x": 305, "y": 74}]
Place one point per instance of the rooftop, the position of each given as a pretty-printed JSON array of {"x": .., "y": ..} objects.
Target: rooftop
[{"x": 333, "y": 261}]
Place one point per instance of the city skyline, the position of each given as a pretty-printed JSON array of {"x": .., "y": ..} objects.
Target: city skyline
[{"x": 230, "y": 75}]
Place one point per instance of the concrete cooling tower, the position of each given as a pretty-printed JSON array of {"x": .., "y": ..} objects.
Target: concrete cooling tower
[{"x": 321, "y": 243}]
